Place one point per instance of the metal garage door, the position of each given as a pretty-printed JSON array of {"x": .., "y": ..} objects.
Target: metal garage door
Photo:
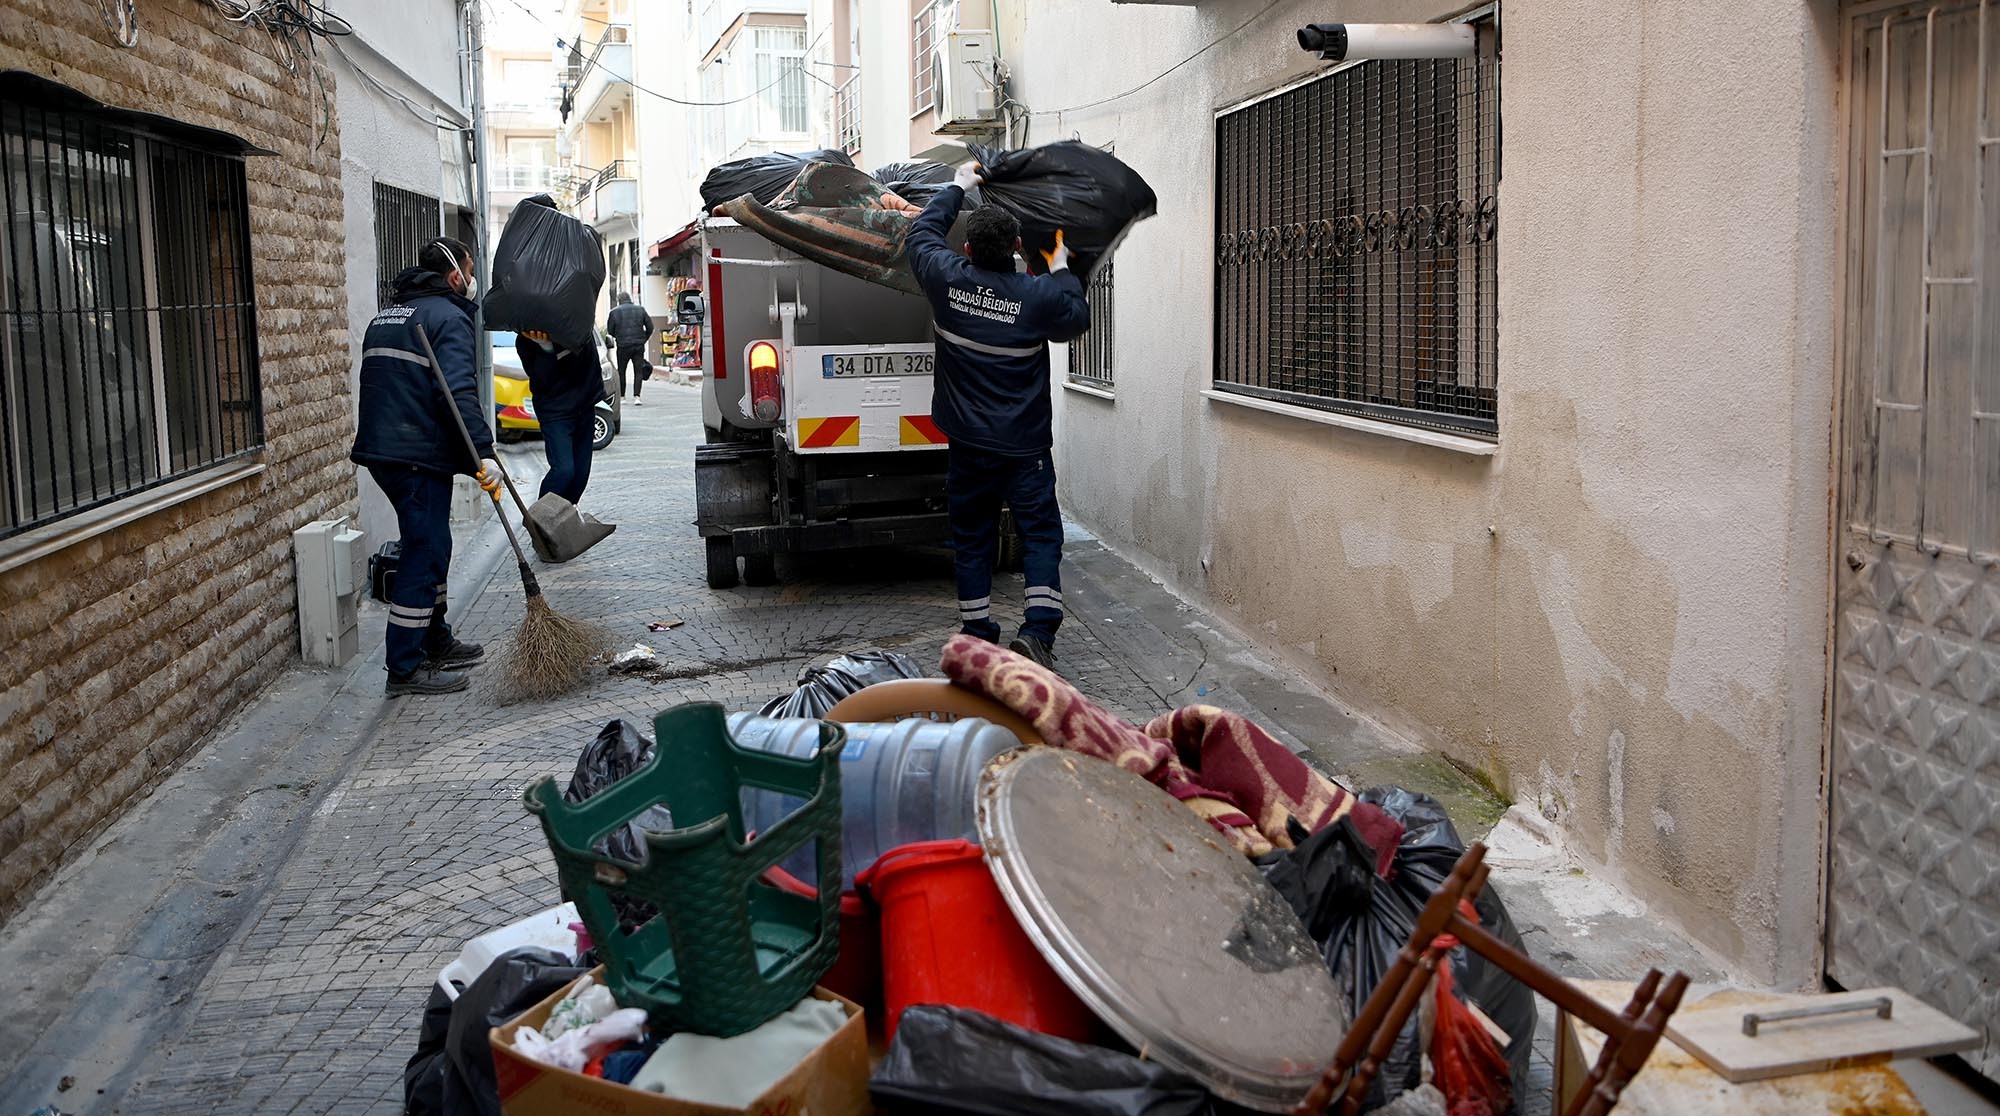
[{"x": 1914, "y": 863}]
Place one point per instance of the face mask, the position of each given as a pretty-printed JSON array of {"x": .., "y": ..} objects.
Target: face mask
[{"x": 471, "y": 284}]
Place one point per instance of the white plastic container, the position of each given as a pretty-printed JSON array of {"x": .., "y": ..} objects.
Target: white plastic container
[
  {"x": 900, "y": 782},
  {"x": 548, "y": 930}
]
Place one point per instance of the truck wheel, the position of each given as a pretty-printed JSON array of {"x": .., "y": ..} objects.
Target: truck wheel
[
  {"x": 721, "y": 563},
  {"x": 1013, "y": 553},
  {"x": 760, "y": 569}
]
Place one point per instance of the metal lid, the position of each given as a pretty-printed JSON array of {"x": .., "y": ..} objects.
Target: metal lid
[{"x": 1167, "y": 933}]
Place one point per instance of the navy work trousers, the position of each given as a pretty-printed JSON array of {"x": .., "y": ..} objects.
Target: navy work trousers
[
  {"x": 566, "y": 439},
  {"x": 417, "y": 627},
  {"x": 976, "y": 482}
]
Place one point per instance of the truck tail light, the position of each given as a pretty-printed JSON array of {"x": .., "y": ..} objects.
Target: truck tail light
[{"x": 766, "y": 387}]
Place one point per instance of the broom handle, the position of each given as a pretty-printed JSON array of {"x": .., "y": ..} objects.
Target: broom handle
[
  {"x": 511, "y": 490},
  {"x": 451, "y": 404}
]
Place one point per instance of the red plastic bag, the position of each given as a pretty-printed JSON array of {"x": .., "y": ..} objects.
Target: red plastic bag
[{"x": 1471, "y": 1071}]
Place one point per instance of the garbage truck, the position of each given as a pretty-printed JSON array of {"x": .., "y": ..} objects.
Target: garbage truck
[{"x": 816, "y": 404}]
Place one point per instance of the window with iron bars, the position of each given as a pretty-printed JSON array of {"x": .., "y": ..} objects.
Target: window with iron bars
[
  {"x": 128, "y": 352},
  {"x": 1090, "y": 356},
  {"x": 934, "y": 20},
  {"x": 1355, "y": 264},
  {"x": 405, "y": 221}
]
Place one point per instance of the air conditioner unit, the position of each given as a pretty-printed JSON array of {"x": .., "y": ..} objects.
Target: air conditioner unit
[{"x": 968, "y": 86}]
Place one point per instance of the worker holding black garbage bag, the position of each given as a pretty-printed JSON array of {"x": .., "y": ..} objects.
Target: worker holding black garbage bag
[
  {"x": 547, "y": 272},
  {"x": 406, "y": 438},
  {"x": 991, "y": 399}
]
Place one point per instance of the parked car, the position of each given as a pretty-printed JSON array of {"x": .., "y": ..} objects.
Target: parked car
[{"x": 514, "y": 407}]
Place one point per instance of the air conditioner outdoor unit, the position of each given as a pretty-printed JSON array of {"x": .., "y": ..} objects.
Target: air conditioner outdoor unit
[{"x": 968, "y": 87}]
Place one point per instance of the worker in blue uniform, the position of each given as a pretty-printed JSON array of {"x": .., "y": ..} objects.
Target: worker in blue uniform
[
  {"x": 566, "y": 385},
  {"x": 406, "y": 438},
  {"x": 990, "y": 398}
]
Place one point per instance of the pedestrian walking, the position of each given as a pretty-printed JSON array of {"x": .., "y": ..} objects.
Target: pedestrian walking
[
  {"x": 630, "y": 328},
  {"x": 990, "y": 397},
  {"x": 566, "y": 385},
  {"x": 411, "y": 446}
]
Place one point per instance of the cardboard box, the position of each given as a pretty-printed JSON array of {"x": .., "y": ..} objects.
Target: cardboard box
[{"x": 832, "y": 1081}]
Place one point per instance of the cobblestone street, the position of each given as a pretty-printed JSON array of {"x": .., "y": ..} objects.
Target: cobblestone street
[{"x": 311, "y": 998}]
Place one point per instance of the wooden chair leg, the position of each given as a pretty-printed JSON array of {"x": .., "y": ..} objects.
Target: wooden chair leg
[
  {"x": 1391, "y": 1029},
  {"x": 1636, "y": 1047},
  {"x": 1641, "y": 997},
  {"x": 1361, "y": 1030}
]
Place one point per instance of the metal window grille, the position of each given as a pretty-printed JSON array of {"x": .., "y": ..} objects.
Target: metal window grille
[
  {"x": 847, "y": 115},
  {"x": 1090, "y": 356},
  {"x": 933, "y": 21},
  {"x": 1355, "y": 258},
  {"x": 778, "y": 61},
  {"x": 128, "y": 351},
  {"x": 405, "y": 221}
]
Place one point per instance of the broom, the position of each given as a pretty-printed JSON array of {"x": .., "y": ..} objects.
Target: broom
[{"x": 552, "y": 653}]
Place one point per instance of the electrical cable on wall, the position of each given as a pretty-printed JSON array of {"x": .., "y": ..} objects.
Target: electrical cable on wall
[
  {"x": 1259, "y": 14},
  {"x": 123, "y": 16}
]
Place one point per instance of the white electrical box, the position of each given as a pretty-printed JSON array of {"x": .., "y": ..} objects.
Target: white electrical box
[
  {"x": 332, "y": 562},
  {"x": 969, "y": 86}
]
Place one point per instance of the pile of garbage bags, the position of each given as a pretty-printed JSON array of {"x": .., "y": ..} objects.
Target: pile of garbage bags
[{"x": 819, "y": 205}]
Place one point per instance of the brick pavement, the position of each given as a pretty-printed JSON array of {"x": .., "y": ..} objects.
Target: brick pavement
[{"x": 314, "y": 1006}]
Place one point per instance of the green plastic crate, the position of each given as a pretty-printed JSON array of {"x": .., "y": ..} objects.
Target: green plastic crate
[{"x": 726, "y": 951}]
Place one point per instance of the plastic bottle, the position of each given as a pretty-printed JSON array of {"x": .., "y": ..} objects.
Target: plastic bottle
[{"x": 900, "y": 782}]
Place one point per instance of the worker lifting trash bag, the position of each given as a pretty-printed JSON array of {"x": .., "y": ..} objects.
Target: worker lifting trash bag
[
  {"x": 1084, "y": 192},
  {"x": 547, "y": 271}
]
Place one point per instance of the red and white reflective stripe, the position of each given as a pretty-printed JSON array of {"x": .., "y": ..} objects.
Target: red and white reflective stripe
[{"x": 716, "y": 343}]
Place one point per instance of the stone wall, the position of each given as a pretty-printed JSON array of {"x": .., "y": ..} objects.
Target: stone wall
[{"x": 121, "y": 652}]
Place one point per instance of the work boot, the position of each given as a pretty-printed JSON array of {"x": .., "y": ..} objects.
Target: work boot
[
  {"x": 456, "y": 657},
  {"x": 427, "y": 680},
  {"x": 1035, "y": 650}
]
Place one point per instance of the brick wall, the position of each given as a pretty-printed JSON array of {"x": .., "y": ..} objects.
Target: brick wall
[{"x": 118, "y": 654}]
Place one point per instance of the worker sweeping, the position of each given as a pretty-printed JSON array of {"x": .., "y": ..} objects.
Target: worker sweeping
[
  {"x": 990, "y": 397},
  {"x": 407, "y": 439}
]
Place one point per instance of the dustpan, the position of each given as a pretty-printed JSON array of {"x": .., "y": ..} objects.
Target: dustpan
[{"x": 561, "y": 532}]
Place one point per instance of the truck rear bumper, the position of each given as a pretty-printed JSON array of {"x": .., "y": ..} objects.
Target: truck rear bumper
[{"x": 840, "y": 534}]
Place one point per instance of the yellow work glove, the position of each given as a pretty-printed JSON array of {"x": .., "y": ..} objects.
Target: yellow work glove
[
  {"x": 1058, "y": 257},
  {"x": 489, "y": 477}
]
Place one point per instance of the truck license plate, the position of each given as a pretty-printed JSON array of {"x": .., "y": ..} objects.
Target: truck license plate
[{"x": 842, "y": 366}]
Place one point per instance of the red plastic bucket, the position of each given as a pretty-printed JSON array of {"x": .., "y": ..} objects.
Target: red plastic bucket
[{"x": 948, "y": 938}]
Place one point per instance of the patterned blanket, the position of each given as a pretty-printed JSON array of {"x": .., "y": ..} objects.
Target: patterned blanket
[{"x": 1232, "y": 773}]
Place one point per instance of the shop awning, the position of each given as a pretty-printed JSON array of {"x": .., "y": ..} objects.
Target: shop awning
[{"x": 675, "y": 244}]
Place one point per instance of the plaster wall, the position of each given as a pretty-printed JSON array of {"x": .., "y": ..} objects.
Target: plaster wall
[{"x": 1619, "y": 616}]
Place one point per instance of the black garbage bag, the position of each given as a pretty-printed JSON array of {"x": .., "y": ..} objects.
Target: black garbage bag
[
  {"x": 822, "y": 687},
  {"x": 1083, "y": 190},
  {"x": 954, "y": 1060},
  {"x": 763, "y": 177},
  {"x": 547, "y": 270},
  {"x": 915, "y": 182},
  {"x": 619, "y": 750},
  {"x": 452, "y": 1072},
  {"x": 1361, "y": 922}
]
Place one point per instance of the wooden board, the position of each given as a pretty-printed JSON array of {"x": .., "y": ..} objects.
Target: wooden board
[
  {"x": 1675, "y": 1083},
  {"x": 1794, "y": 1046}
]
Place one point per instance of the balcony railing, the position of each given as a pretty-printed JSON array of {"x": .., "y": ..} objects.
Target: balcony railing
[
  {"x": 847, "y": 115},
  {"x": 617, "y": 168},
  {"x": 521, "y": 177}
]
